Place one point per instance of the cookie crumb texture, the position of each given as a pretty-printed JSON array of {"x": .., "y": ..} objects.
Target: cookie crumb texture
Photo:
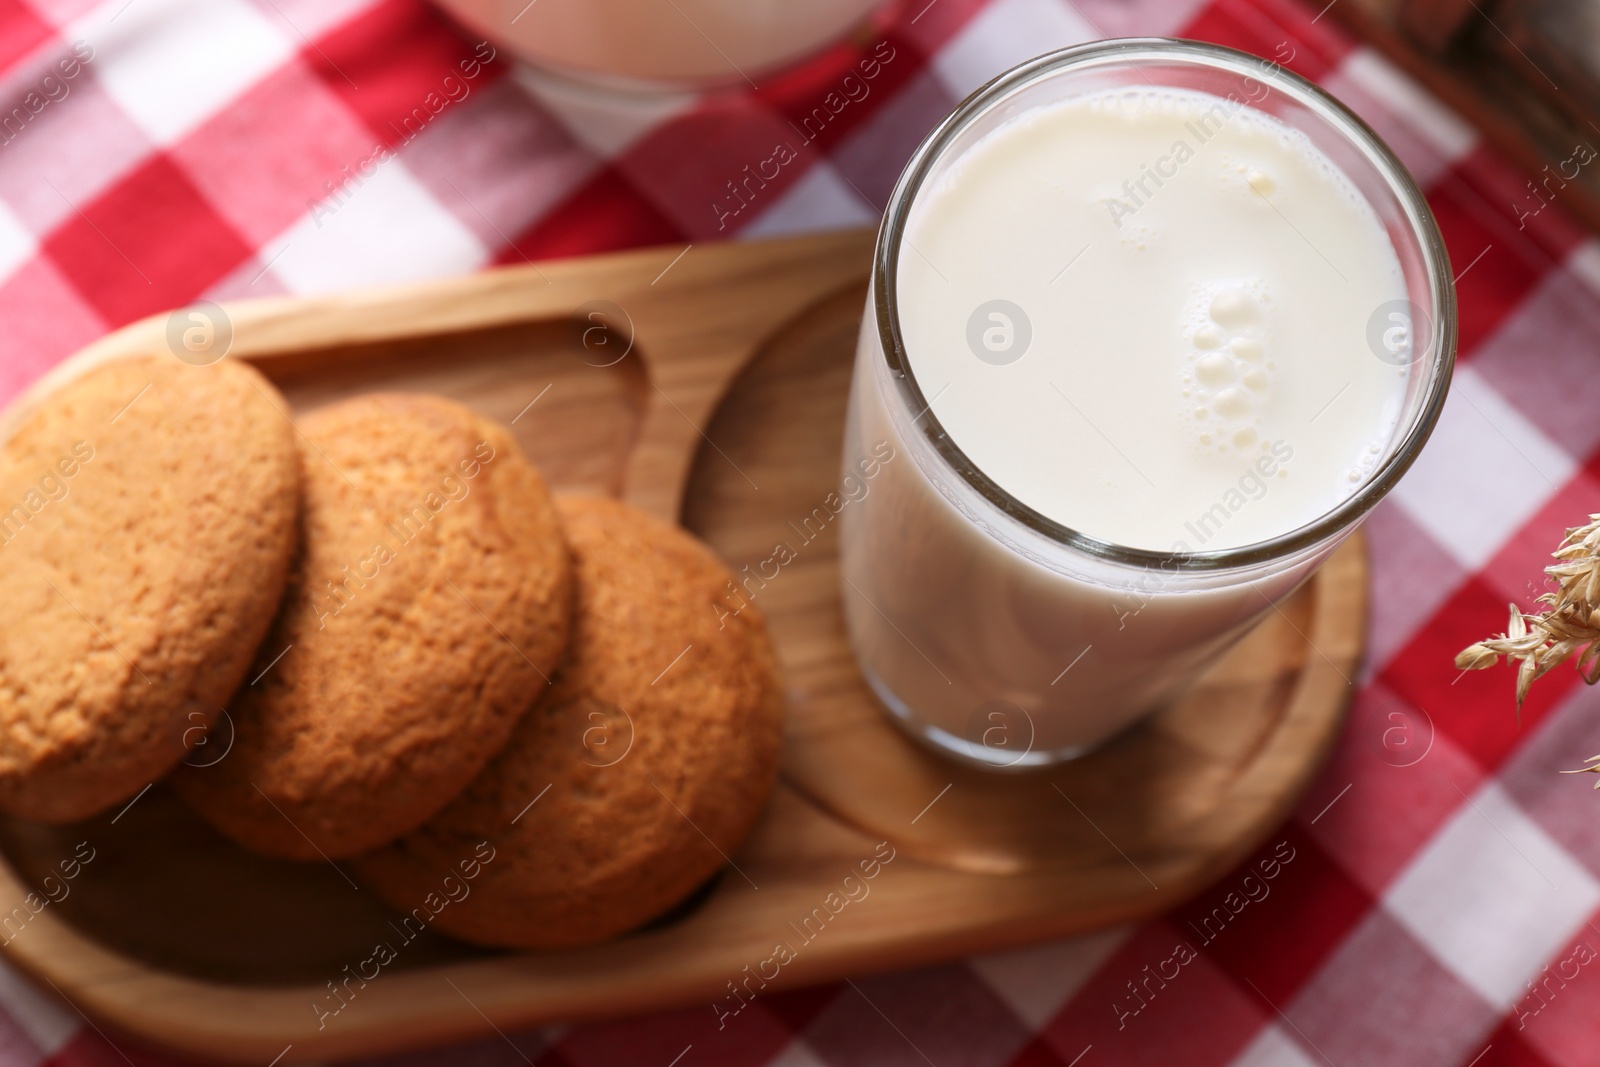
[
  {"x": 147, "y": 520},
  {"x": 428, "y": 606},
  {"x": 651, "y": 758}
]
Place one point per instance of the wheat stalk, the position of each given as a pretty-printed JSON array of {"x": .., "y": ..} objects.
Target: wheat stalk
[{"x": 1570, "y": 622}]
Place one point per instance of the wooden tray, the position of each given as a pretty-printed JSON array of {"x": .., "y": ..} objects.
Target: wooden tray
[{"x": 726, "y": 414}]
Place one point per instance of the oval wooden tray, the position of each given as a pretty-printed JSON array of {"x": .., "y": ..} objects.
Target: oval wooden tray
[{"x": 725, "y": 414}]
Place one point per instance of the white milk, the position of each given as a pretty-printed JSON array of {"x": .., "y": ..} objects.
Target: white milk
[
  {"x": 1197, "y": 280},
  {"x": 1207, "y": 316},
  {"x": 663, "y": 41}
]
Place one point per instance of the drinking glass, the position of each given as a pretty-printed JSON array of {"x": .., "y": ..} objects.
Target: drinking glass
[{"x": 1002, "y": 637}]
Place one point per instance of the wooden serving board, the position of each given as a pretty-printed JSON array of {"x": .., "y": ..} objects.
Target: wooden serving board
[{"x": 726, "y": 415}]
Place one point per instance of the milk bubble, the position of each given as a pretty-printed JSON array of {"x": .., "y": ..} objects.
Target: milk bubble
[
  {"x": 1233, "y": 403},
  {"x": 1235, "y": 308},
  {"x": 1214, "y": 370}
]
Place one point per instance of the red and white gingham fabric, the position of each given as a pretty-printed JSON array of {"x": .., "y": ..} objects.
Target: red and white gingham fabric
[{"x": 236, "y": 148}]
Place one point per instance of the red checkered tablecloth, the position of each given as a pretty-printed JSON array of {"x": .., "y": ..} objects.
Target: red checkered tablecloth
[{"x": 1435, "y": 895}]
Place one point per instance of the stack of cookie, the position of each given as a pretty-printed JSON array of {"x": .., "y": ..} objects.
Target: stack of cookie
[{"x": 425, "y": 661}]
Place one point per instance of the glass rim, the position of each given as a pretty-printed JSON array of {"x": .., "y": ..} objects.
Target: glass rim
[{"x": 1424, "y": 231}]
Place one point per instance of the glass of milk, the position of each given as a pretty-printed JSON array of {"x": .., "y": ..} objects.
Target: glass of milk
[
  {"x": 1152, "y": 325},
  {"x": 651, "y": 46}
]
